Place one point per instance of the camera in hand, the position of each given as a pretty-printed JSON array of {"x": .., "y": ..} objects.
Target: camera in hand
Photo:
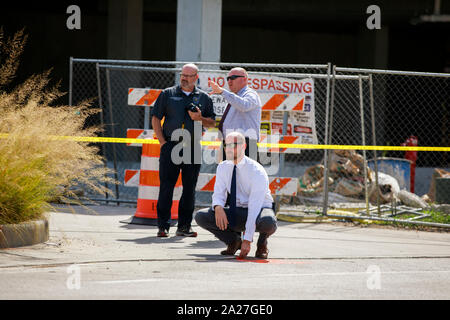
[{"x": 191, "y": 107}]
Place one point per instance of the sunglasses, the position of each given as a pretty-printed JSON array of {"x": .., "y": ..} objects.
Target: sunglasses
[
  {"x": 233, "y": 144},
  {"x": 233, "y": 77}
]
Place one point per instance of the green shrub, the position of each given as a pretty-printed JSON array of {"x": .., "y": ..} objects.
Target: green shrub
[{"x": 34, "y": 166}]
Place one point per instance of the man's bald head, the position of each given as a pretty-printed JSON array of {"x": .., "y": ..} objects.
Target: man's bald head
[
  {"x": 188, "y": 76},
  {"x": 239, "y": 82},
  {"x": 239, "y": 71},
  {"x": 191, "y": 67}
]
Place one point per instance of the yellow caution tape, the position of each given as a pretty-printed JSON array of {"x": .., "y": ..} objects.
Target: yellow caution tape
[
  {"x": 261, "y": 145},
  {"x": 350, "y": 147}
]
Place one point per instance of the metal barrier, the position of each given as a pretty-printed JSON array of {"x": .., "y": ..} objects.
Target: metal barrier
[
  {"x": 395, "y": 108},
  {"x": 109, "y": 80},
  {"x": 351, "y": 106}
]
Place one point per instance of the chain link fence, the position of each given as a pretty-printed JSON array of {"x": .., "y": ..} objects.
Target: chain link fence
[
  {"x": 351, "y": 107},
  {"x": 391, "y": 108},
  {"x": 109, "y": 80},
  {"x": 406, "y": 104}
]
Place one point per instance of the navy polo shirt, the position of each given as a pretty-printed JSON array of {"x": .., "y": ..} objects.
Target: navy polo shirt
[{"x": 171, "y": 105}]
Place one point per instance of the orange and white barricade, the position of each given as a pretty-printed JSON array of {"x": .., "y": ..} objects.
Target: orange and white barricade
[
  {"x": 147, "y": 180},
  {"x": 269, "y": 101},
  {"x": 146, "y": 97},
  {"x": 142, "y": 97},
  {"x": 286, "y": 186},
  {"x": 279, "y": 186},
  {"x": 269, "y": 139},
  {"x": 281, "y": 102}
]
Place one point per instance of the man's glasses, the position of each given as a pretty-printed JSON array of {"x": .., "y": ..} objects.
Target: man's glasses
[
  {"x": 187, "y": 75},
  {"x": 233, "y": 77},
  {"x": 232, "y": 144}
]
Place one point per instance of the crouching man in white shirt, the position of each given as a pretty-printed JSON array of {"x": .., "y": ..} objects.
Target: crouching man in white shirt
[{"x": 251, "y": 204}]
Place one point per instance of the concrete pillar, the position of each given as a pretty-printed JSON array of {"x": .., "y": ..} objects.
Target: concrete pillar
[
  {"x": 125, "y": 36},
  {"x": 373, "y": 53},
  {"x": 373, "y": 48},
  {"x": 199, "y": 27},
  {"x": 125, "y": 22}
]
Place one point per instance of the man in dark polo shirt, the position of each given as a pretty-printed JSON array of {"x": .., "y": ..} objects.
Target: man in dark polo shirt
[{"x": 174, "y": 104}]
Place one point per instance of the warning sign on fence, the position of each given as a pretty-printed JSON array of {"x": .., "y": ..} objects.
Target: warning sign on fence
[{"x": 277, "y": 95}]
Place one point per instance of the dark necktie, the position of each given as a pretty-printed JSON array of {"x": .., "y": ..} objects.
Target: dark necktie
[
  {"x": 223, "y": 118},
  {"x": 233, "y": 199}
]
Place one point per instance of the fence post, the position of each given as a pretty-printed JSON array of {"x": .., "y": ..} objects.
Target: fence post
[
  {"x": 325, "y": 153},
  {"x": 70, "y": 80},
  {"x": 102, "y": 122},
  {"x": 363, "y": 135},
  {"x": 283, "y": 133},
  {"x": 108, "y": 84},
  {"x": 374, "y": 140},
  {"x": 328, "y": 141}
]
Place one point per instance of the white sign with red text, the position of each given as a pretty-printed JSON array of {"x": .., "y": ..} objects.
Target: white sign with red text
[{"x": 301, "y": 121}]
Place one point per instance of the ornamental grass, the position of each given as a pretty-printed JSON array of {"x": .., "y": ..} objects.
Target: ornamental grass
[{"x": 35, "y": 166}]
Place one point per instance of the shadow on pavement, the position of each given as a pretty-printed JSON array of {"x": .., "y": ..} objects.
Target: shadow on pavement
[
  {"x": 88, "y": 209},
  {"x": 153, "y": 239},
  {"x": 211, "y": 257},
  {"x": 207, "y": 244},
  {"x": 202, "y": 258}
]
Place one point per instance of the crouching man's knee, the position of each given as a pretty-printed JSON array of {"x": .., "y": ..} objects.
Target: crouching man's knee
[
  {"x": 267, "y": 222},
  {"x": 203, "y": 217}
]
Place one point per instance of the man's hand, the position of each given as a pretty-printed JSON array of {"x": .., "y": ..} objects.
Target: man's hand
[
  {"x": 245, "y": 248},
  {"x": 195, "y": 116},
  {"x": 221, "y": 218},
  {"x": 156, "y": 125},
  {"x": 216, "y": 89}
]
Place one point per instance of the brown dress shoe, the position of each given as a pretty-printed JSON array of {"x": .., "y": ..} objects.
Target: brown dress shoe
[
  {"x": 262, "y": 252},
  {"x": 232, "y": 248}
]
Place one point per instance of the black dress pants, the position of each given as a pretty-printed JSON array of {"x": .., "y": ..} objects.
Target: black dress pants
[
  {"x": 168, "y": 176},
  {"x": 266, "y": 224}
]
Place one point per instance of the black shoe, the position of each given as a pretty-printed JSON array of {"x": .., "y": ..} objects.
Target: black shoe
[
  {"x": 232, "y": 248},
  {"x": 163, "y": 233},
  {"x": 186, "y": 232}
]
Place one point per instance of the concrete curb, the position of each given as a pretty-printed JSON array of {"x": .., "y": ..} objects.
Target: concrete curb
[
  {"x": 24, "y": 234},
  {"x": 305, "y": 218},
  {"x": 289, "y": 217}
]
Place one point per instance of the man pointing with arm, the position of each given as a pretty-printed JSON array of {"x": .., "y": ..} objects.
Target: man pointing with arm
[{"x": 243, "y": 112}]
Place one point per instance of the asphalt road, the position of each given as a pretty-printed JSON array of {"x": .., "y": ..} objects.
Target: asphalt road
[{"x": 95, "y": 256}]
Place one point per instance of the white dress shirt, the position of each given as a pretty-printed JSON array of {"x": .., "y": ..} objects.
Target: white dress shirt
[
  {"x": 252, "y": 189},
  {"x": 244, "y": 114}
]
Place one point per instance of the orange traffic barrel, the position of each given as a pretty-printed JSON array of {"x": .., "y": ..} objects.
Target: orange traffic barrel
[{"x": 149, "y": 184}]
